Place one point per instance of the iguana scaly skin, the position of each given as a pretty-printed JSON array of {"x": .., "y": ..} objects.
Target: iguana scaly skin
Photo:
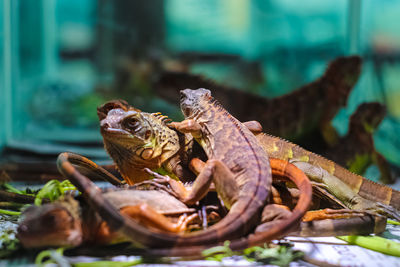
[
  {"x": 314, "y": 223},
  {"x": 69, "y": 222},
  {"x": 344, "y": 184},
  {"x": 238, "y": 169},
  {"x": 279, "y": 148},
  {"x": 136, "y": 140},
  {"x": 291, "y": 116}
]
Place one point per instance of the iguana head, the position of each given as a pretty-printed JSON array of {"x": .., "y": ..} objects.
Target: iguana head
[
  {"x": 193, "y": 101},
  {"x": 54, "y": 224},
  {"x": 136, "y": 139}
]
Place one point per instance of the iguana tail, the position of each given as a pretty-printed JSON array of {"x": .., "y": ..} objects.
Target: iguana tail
[{"x": 144, "y": 237}]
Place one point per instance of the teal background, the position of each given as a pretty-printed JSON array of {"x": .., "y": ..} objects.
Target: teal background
[{"x": 46, "y": 96}]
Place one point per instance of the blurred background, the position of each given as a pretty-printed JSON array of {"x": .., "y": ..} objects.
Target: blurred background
[{"x": 59, "y": 60}]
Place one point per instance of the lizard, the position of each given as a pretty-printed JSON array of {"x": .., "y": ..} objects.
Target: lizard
[
  {"x": 338, "y": 179},
  {"x": 291, "y": 116},
  {"x": 340, "y": 221},
  {"x": 356, "y": 150},
  {"x": 244, "y": 197},
  {"x": 70, "y": 222},
  {"x": 333, "y": 176},
  {"x": 351, "y": 223}
]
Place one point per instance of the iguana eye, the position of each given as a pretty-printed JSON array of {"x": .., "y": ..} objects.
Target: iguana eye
[
  {"x": 131, "y": 124},
  {"x": 147, "y": 134}
]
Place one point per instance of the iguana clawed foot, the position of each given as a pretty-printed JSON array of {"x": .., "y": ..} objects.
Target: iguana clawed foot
[{"x": 176, "y": 188}]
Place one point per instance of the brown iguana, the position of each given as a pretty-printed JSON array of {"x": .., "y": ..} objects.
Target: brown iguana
[
  {"x": 343, "y": 184},
  {"x": 70, "y": 222},
  {"x": 290, "y": 116},
  {"x": 238, "y": 169}
]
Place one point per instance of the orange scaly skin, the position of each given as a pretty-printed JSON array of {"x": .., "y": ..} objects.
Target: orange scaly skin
[{"x": 252, "y": 178}]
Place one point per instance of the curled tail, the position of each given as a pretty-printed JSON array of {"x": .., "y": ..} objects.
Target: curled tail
[{"x": 165, "y": 242}]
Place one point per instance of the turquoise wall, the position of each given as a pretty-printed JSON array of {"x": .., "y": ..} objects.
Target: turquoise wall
[{"x": 2, "y": 93}]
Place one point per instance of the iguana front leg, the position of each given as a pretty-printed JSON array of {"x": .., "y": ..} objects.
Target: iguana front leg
[{"x": 213, "y": 171}]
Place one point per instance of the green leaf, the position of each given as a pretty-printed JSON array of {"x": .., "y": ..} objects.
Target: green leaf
[
  {"x": 375, "y": 243},
  {"x": 217, "y": 253},
  {"x": 10, "y": 212},
  {"x": 279, "y": 255},
  {"x": 53, "y": 190},
  {"x": 108, "y": 263},
  {"x": 393, "y": 222},
  {"x": 52, "y": 256},
  {"x": 12, "y": 189}
]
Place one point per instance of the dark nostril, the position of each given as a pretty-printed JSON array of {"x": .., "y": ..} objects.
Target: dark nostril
[{"x": 104, "y": 125}]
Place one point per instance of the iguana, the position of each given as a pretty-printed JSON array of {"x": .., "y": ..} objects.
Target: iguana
[
  {"x": 346, "y": 184},
  {"x": 238, "y": 169},
  {"x": 134, "y": 140},
  {"x": 70, "y": 222},
  {"x": 326, "y": 171},
  {"x": 356, "y": 150},
  {"x": 290, "y": 116}
]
